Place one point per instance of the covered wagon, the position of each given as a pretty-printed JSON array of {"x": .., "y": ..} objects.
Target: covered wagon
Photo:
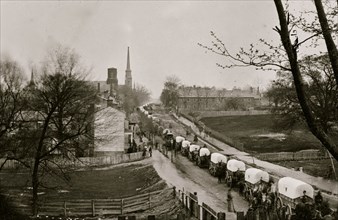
[
  {"x": 179, "y": 140},
  {"x": 193, "y": 152},
  {"x": 290, "y": 193},
  {"x": 217, "y": 164},
  {"x": 256, "y": 181},
  {"x": 203, "y": 157},
  {"x": 185, "y": 147},
  {"x": 235, "y": 172}
]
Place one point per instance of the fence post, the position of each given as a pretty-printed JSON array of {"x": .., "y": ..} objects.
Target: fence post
[
  {"x": 65, "y": 209},
  {"x": 93, "y": 207},
  {"x": 151, "y": 217},
  {"x": 132, "y": 217},
  {"x": 149, "y": 202},
  {"x": 221, "y": 216},
  {"x": 121, "y": 206},
  {"x": 240, "y": 216},
  {"x": 181, "y": 216},
  {"x": 174, "y": 191}
]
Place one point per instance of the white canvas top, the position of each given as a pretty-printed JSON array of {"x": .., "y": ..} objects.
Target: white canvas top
[
  {"x": 194, "y": 147},
  {"x": 166, "y": 131},
  {"x": 234, "y": 165},
  {"x": 294, "y": 188},
  {"x": 217, "y": 157},
  {"x": 253, "y": 175},
  {"x": 185, "y": 143},
  {"x": 146, "y": 112},
  {"x": 179, "y": 139},
  {"x": 204, "y": 152}
]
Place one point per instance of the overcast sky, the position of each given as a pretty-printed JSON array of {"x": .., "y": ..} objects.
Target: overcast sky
[{"x": 162, "y": 36}]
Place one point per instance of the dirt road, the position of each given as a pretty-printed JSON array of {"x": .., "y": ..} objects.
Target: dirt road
[{"x": 183, "y": 174}]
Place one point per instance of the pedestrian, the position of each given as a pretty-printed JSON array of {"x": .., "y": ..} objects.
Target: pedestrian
[
  {"x": 230, "y": 202},
  {"x": 150, "y": 152},
  {"x": 144, "y": 152},
  {"x": 318, "y": 198},
  {"x": 195, "y": 138}
]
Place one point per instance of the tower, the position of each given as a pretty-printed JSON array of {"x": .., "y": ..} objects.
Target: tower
[
  {"x": 112, "y": 81},
  {"x": 128, "y": 79}
]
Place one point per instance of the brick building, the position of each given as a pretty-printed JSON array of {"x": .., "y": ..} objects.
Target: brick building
[{"x": 194, "y": 98}]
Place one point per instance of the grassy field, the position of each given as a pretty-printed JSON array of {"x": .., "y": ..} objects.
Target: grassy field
[
  {"x": 312, "y": 167},
  {"x": 259, "y": 135},
  {"x": 121, "y": 181}
]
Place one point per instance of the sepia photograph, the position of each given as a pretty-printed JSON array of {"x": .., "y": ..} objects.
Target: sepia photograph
[{"x": 168, "y": 110}]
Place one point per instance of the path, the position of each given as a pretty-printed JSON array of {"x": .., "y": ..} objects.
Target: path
[{"x": 183, "y": 174}]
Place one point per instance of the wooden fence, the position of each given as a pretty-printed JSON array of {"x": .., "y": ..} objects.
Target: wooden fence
[
  {"x": 290, "y": 156},
  {"x": 207, "y": 114},
  {"x": 92, "y": 207},
  {"x": 83, "y": 161}
]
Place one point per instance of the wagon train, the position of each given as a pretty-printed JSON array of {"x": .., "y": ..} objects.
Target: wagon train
[{"x": 291, "y": 193}]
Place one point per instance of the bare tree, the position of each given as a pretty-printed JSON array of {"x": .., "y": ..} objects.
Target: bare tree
[
  {"x": 64, "y": 103},
  {"x": 321, "y": 91},
  {"x": 284, "y": 57},
  {"x": 133, "y": 98},
  {"x": 170, "y": 92},
  {"x": 12, "y": 102}
]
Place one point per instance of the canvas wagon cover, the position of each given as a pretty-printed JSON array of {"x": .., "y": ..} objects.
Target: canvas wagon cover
[
  {"x": 294, "y": 188},
  {"x": 179, "y": 139},
  {"x": 185, "y": 144},
  {"x": 166, "y": 131},
  {"x": 194, "y": 147},
  {"x": 253, "y": 175},
  {"x": 234, "y": 165},
  {"x": 204, "y": 152},
  {"x": 217, "y": 157}
]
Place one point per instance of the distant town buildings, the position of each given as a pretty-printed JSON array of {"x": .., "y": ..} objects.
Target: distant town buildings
[
  {"x": 112, "y": 130},
  {"x": 110, "y": 89},
  {"x": 205, "y": 98}
]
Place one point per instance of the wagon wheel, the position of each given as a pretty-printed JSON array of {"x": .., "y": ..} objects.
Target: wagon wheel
[
  {"x": 288, "y": 212},
  {"x": 279, "y": 203},
  {"x": 279, "y": 207}
]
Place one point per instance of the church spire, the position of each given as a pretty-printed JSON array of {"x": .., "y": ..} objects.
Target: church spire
[
  {"x": 32, "y": 82},
  {"x": 128, "y": 61},
  {"x": 128, "y": 78}
]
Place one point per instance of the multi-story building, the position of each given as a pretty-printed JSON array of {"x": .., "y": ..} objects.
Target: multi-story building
[{"x": 194, "y": 98}]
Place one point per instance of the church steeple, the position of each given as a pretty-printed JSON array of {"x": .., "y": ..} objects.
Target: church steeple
[
  {"x": 32, "y": 82},
  {"x": 128, "y": 77},
  {"x": 128, "y": 61}
]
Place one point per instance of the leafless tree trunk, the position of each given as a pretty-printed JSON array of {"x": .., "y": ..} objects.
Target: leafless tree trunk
[
  {"x": 291, "y": 51},
  {"x": 331, "y": 47}
]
